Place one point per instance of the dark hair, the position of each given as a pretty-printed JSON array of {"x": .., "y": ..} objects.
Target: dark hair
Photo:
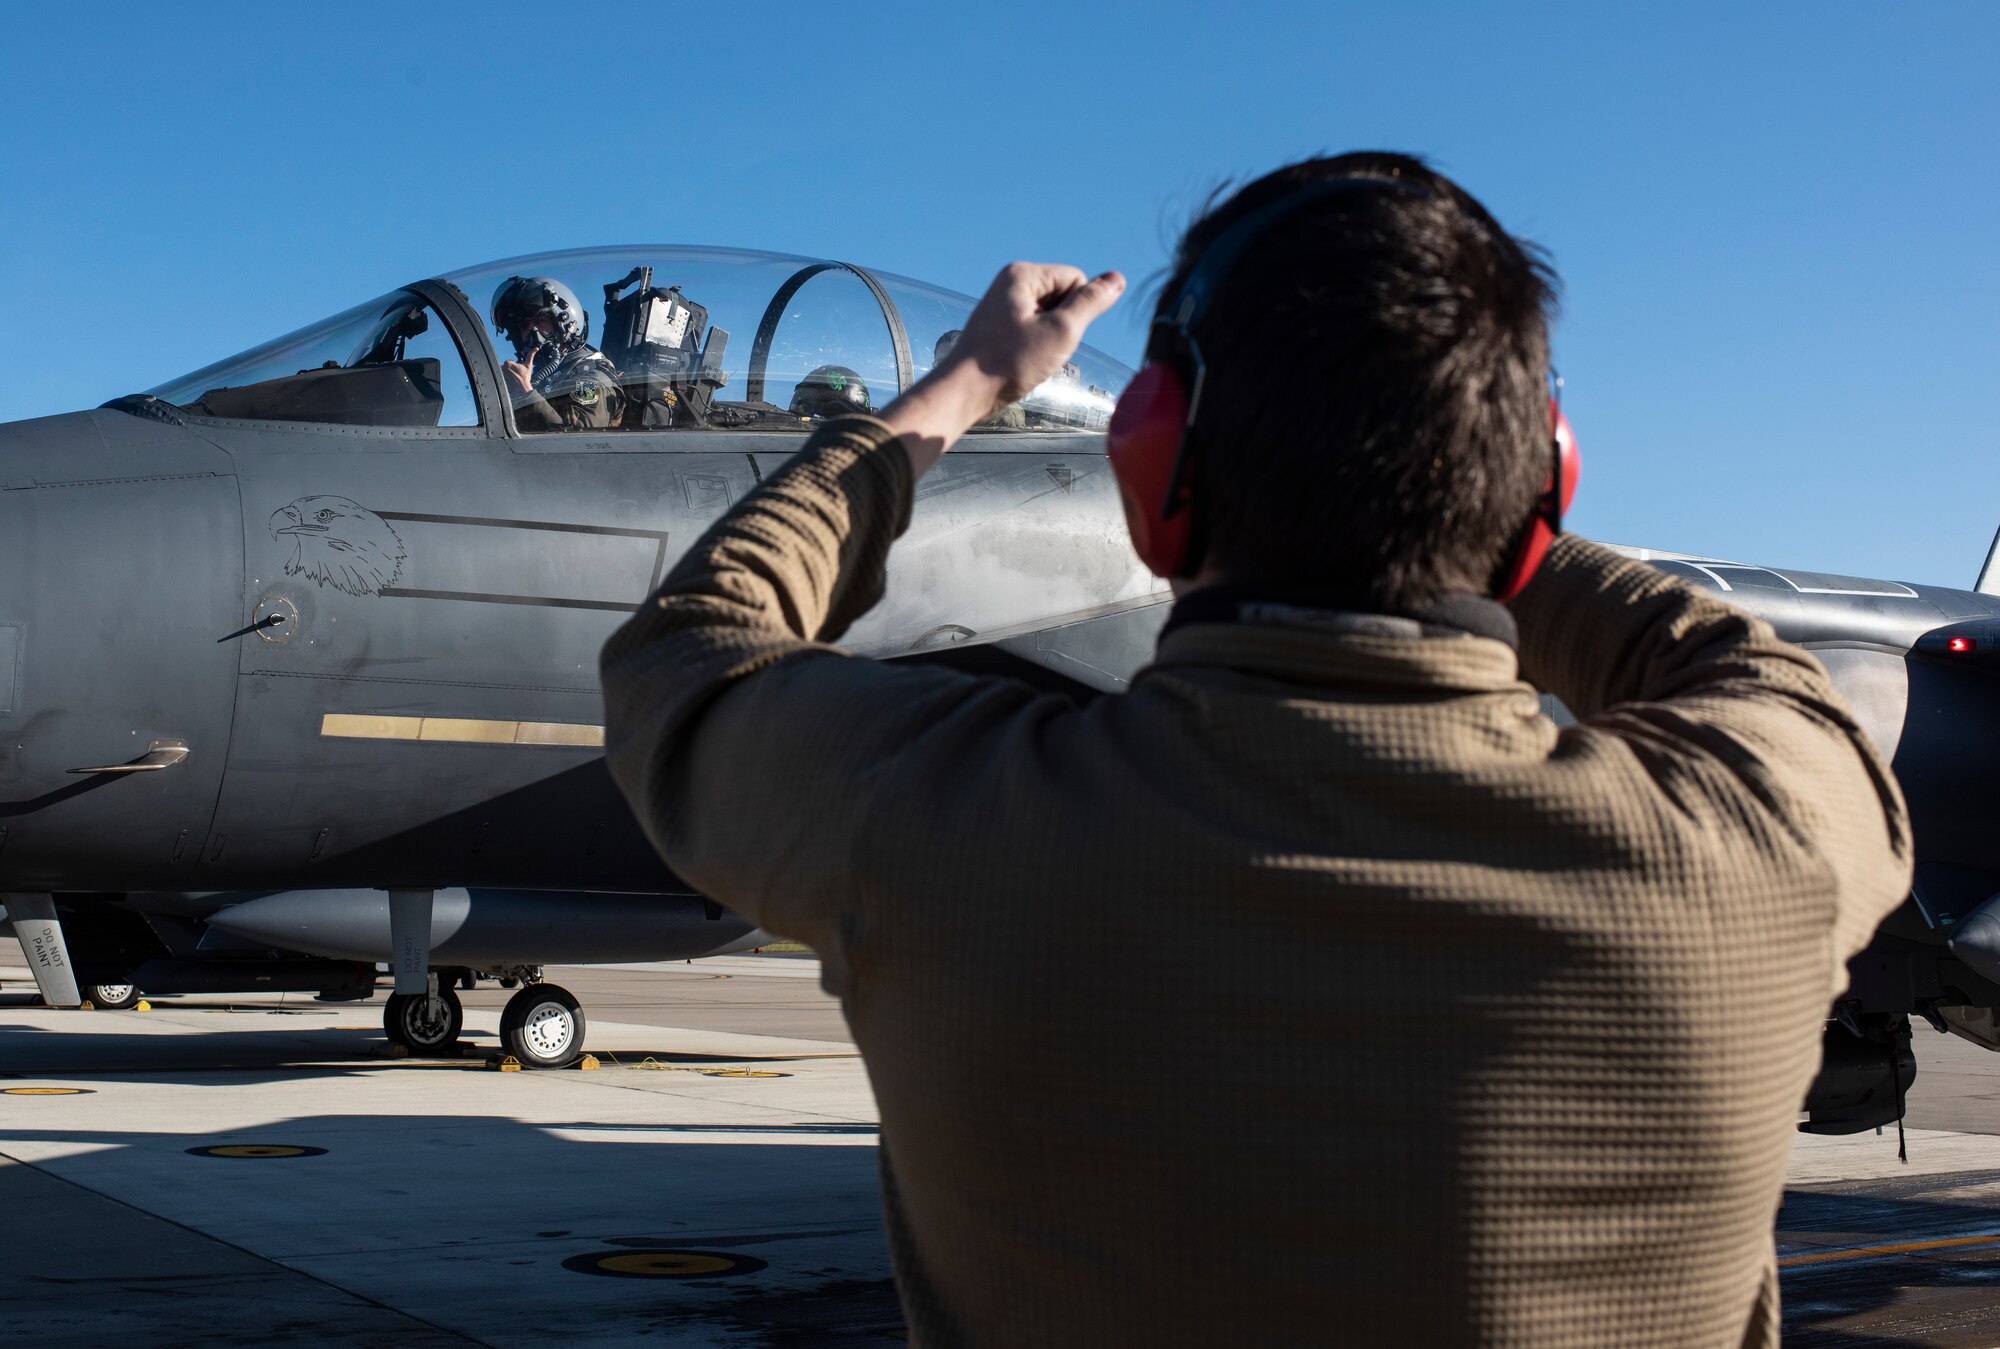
[{"x": 1375, "y": 419}]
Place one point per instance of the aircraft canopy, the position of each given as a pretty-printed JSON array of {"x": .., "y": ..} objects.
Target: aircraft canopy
[{"x": 700, "y": 338}]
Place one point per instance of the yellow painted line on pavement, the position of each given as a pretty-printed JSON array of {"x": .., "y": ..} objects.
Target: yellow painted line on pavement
[{"x": 1900, "y": 1248}]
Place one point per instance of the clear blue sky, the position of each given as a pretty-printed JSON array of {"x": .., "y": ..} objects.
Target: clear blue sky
[{"x": 1776, "y": 222}]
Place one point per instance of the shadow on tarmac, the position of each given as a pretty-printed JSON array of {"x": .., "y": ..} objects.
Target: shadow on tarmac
[
  {"x": 478, "y": 1174},
  {"x": 421, "y": 1230},
  {"x": 1897, "y": 1299}
]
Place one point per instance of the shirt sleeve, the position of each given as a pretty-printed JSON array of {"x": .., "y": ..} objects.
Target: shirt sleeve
[
  {"x": 1681, "y": 678},
  {"x": 532, "y": 413},
  {"x": 747, "y": 745}
]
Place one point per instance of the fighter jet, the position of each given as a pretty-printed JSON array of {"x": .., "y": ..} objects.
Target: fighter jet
[{"x": 298, "y": 652}]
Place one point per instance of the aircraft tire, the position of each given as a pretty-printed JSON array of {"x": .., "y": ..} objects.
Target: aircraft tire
[
  {"x": 543, "y": 1026},
  {"x": 114, "y": 997},
  {"x": 406, "y": 1021}
]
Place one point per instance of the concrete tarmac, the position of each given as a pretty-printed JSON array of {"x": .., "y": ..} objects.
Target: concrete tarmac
[
  {"x": 1885, "y": 1254},
  {"x": 255, "y": 1171}
]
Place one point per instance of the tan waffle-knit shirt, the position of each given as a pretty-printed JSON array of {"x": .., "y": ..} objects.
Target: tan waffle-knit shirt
[{"x": 1318, "y": 990}]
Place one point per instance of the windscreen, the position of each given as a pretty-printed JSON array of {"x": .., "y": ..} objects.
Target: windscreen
[{"x": 390, "y": 362}]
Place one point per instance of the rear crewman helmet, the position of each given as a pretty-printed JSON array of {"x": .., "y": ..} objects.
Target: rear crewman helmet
[
  {"x": 520, "y": 300},
  {"x": 830, "y": 391}
]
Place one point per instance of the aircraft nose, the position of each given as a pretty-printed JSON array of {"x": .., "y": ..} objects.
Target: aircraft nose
[{"x": 120, "y": 564}]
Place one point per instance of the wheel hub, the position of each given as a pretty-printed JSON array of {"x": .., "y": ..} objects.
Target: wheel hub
[
  {"x": 548, "y": 1029},
  {"x": 427, "y": 1020}
]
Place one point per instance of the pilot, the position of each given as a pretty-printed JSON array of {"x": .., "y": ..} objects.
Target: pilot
[
  {"x": 830, "y": 391},
  {"x": 1011, "y": 417},
  {"x": 558, "y": 381}
]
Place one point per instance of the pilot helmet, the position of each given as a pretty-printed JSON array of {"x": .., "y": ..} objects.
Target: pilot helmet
[
  {"x": 522, "y": 299},
  {"x": 830, "y": 391}
]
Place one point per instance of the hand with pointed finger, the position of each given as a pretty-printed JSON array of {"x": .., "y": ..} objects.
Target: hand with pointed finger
[{"x": 1030, "y": 321}]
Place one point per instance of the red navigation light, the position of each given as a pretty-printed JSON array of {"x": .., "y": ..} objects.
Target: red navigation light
[{"x": 1960, "y": 645}]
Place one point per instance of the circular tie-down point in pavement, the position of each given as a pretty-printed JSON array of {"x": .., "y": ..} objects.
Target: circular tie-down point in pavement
[
  {"x": 257, "y": 1151},
  {"x": 46, "y": 1091},
  {"x": 664, "y": 1264}
]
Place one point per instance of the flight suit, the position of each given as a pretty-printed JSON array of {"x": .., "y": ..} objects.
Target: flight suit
[{"x": 580, "y": 392}]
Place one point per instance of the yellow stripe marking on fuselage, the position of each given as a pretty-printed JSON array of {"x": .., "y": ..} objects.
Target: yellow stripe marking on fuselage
[{"x": 459, "y": 730}]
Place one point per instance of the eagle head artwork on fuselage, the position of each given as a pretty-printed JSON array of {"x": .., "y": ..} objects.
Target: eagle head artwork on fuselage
[{"x": 340, "y": 543}]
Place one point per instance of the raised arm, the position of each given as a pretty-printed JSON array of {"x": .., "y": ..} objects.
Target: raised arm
[
  {"x": 1679, "y": 676},
  {"x": 745, "y": 743}
]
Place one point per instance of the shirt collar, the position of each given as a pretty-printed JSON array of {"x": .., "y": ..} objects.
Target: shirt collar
[{"x": 1454, "y": 616}]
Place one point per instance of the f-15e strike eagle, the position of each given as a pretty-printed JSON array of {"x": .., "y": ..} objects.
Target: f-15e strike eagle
[{"x": 298, "y": 652}]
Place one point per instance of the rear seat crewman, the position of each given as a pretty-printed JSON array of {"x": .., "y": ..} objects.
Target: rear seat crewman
[{"x": 1317, "y": 990}]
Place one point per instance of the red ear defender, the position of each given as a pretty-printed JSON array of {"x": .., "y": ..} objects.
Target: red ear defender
[
  {"x": 1143, "y": 443},
  {"x": 1550, "y": 507},
  {"x": 1147, "y": 441}
]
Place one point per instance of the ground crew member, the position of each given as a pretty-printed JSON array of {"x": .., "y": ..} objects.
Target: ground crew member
[
  {"x": 1318, "y": 990},
  {"x": 558, "y": 381}
]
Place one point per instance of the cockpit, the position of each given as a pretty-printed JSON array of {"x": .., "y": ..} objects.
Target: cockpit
[{"x": 637, "y": 339}]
